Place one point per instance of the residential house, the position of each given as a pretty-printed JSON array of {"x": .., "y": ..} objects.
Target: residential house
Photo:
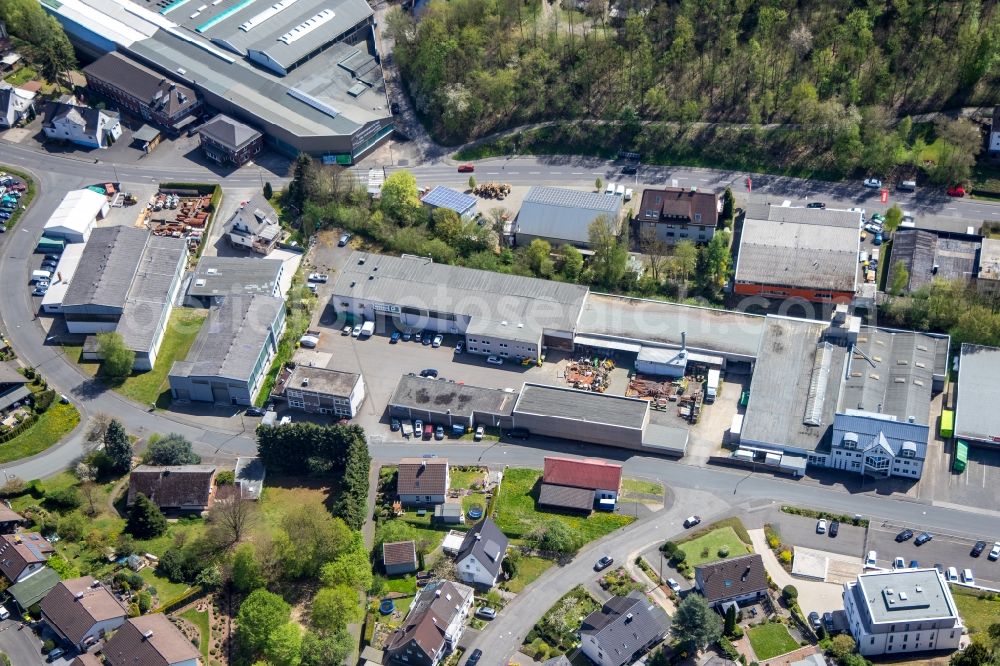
[
  {"x": 179, "y": 488},
  {"x": 82, "y": 125},
  {"x": 16, "y": 104},
  {"x": 87, "y": 659},
  {"x": 399, "y": 557},
  {"x": 9, "y": 519},
  {"x": 254, "y": 226},
  {"x": 318, "y": 390},
  {"x": 151, "y": 640},
  {"x": 623, "y": 630},
  {"x": 673, "y": 214},
  {"x": 82, "y": 611},
  {"x": 422, "y": 480},
  {"x": 30, "y": 591},
  {"x": 571, "y": 483},
  {"x": 23, "y": 554},
  {"x": 902, "y": 611},
  {"x": 13, "y": 387},
  {"x": 994, "y": 148},
  {"x": 141, "y": 91},
  {"x": 735, "y": 580},
  {"x": 479, "y": 561},
  {"x": 462, "y": 204},
  {"x": 228, "y": 141},
  {"x": 559, "y": 215},
  {"x": 433, "y": 626}
]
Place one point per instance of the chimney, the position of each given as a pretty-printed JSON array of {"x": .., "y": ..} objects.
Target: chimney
[
  {"x": 437, "y": 593},
  {"x": 746, "y": 574},
  {"x": 78, "y": 595},
  {"x": 423, "y": 464},
  {"x": 683, "y": 340},
  {"x": 305, "y": 381}
]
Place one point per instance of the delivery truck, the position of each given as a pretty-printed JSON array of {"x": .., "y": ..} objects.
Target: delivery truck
[{"x": 712, "y": 386}]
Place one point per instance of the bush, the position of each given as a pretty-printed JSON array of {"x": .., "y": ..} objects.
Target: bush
[
  {"x": 785, "y": 557},
  {"x": 226, "y": 477},
  {"x": 669, "y": 548},
  {"x": 48, "y": 646},
  {"x": 64, "y": 499},
  {"x": 723, "y": 551},
  {"x": 678, "y": 557},
  {"x": 36, "y": 489},
  {"x": 789, "y": 593},
  {"x": 44, "y": 400}
]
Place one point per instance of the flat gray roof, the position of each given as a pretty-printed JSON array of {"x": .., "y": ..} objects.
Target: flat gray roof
[
  {"x": 883, "y": 592},
  {"x": 928, "y": 256},
  {"x": 219, "y": 276},
  {"x": 107, "y": 265},
  {"x": 323, "y": 380},
  {"x": 648, "y": 321},
  {"x": 230, "y": 341},
  {"x": 800, "y": 247},
  {"x": 161, "y": 263},
  {"x": 434, "y": 395},
  {"x": 421, "y": 284},
  {"x": 976, "y": 415},
  {"x": 586, "y": 406}
]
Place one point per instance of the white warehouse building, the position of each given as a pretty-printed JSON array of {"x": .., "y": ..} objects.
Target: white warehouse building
[{"x": 76, "y": 216}]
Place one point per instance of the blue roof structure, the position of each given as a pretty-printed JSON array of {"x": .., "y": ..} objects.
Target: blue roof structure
[
  {"x": 879, "y": 429},
  {"x": 445, "y": 197}
]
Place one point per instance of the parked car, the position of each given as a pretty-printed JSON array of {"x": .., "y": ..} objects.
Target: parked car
[
  {"x": 814, "y": 620},
  {"x": 318, "y": 277},
  {"x": 436, "y": 342},
  {"x": 494, "y": 360},
  {"x": 967, "y": 577},
  {"x": 603, "y": 563},
  {"x": 418, "y": 427},
  {"x": 821, "y": 526},
  {"x": 474, "y": 657},
  {"x": 407, "y": 335},
  {"x": 395, "y": 425},
  {"x": 480, "y": 431},
  {"x": 691, "y": 521},
  {"x": 519, "y": 433},
  {"x": 873, "y": 183},
  {"x": 426, "y": 338},
  {"x": 871, "y": 559},
  {"x": 255, "y": 411},
  {"x": 899, "y": 563},
  {"x": 54, "y": 654},
  {"x": 674, "y": 585},
  {"x": 344, "y": 240},
  {"x": 828, "y": 621},
  {"x": 994, "y": 552},
  {"x": 429, "y": 372},
  {"x": 394, "y": 338},
  {"x": 923, "y": 538},
  {"x": 486, "y": 613},
  {"x": 466, "y": 168},
  {"x": 834, "y": 528},
  {"x": 39, "y": 291},
  {"x": 940, "y": 568},
  {"x": 309, "y": 341},
  {"x": 956, "y": 191},
  {"x": 417, "y": 336},
  {"x": 439, "y": 433},
  {"x": 978, "y": 549},
  {"x": 346, "y": 330},
  {"x": 629, "y": 170},
  {"x": 394, "y": 108},
  {"x": 356, "y": 331},
  {"x": 914, "y": 564},
  {"x": 459, "y": 347},
  {"x": 905, "y": 535},
  {"x": 952, "y": 574},
  {"x": 816, "y": 204},
  {"x": 428, "y": 431}
]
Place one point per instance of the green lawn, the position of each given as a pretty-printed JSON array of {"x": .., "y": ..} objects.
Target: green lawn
[
  {"x": 558, "y": 627},
  {"x": 22, "y": 76},
  {"x": 475, "y": 499},
  {"x": 518, "y": 515},
  {"x": 529, "y": 568},
  {"x": 200, "y": 620},
  {"x": 57, "y": 422},
  {"x": 977, "y": 612},
  {"x": 464, "y": 478},
  {"x": 770, "y": 640},
  {"x": 400, "y": 585},
  {"x": 641, "y": 487},
  {"x": 165, "y": 590},
  {"x": 705, "y": 548}
]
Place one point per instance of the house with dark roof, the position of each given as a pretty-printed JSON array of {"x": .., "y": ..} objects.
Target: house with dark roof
[
  {"x": 228, "y": 141},
  {"x": 9, "y": 519},
  {"x": 399, "y": 557},
  {"x": 141, "y": 91},
  {"x": 22, "y": 555},
  {"x": 570, "y": 483},
  {"x": 82, "y": 611},
  {"x": 150, "y": 640},
  {"x": 480, "y": 559},
  {"x": 433, "y": 626},
  {"x": 254, "y": 226},
  {"x": 13, "y": 388},
  {"x": 82, "y": 125},
  {"x": 732, "y": 581},
  {"x": 179, "y": 488},
  {"x": 623, "y": 630},
  {"x": 87, "y": 659},
  {"x": 422, "y": 480},
  {"x": 994, "y": 145},
  {"x": 16, "y": 104},
  {"x": 674, "y": 213}
]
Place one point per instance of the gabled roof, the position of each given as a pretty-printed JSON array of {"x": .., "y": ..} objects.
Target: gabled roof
[
  {"x": 87, "y": 659},
  {"x": 487, "y": 543},
  {"x": 149, "y": 640},
  {"x": 107, "y": 266},
  {"x": 624, "y": 625},
  {"x": 432, "y": 611},
  {"x": 562, "y": 214},
  {"x": 588, "y": 473},
  {"x": 10, "y": 375},
  {"x": 678, "y": 205},
  {"x": 8, "y": 514},
  {"x": 399, "y": 552},
  {"x": 882, "y": 431},
  {"x": 257, "y": 215},
  {"x": 163, "y": 94},
  {"x": 82, "y": 116},
  {"x": 75, "y": 606},
  {"x": 567, "y": 497},
  {"x": 21, "y": 550},
  {"x": 733, "y": 577},
  {"x": 422, "y": 476},
  {"x": 33, "y": 589},
  {"x": 231, "y": 133},
  {"x": 180, "y": 485},
  {"x": 14, "y": 99}
]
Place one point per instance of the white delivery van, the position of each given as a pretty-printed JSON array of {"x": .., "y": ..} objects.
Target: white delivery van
[
  {"x": 610, "y": 189},
  {"x": 367, "y": 329},
  {"x": 863, "y": 257},
  {"x": 620, "y": 191},
  {"x": 628, "y": 194},
  {"x": 712, "y": 386},
  {"x": 40, "y": 275}
]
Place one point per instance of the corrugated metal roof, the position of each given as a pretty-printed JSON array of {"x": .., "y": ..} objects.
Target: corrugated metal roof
[
  {"x": 976, "y": 414},
  {"x": 421, "y": 393},
  {"x": 584, "y": 406},
  {"x": 219, "y": 276},
  {"x": 561, "y": 214},
  {"x": 162, "y": 262},
  {"x": 107, "y": 266}
]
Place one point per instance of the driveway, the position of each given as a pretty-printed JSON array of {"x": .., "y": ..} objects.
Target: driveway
[
  {"x": 22, "y": 646},
  {"x": 813, "y": 595}
]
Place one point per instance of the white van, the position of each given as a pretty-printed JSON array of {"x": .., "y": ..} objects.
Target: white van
[
  {"x": 863, "y": 257},
  {"x": 4, "y": 613},
  {"x": 620, "y": 191},
  {"x": 628, "y": 194},
  {"x": 952, "y": 574},
  {"x": 40, "y": 275},
  {"x": 610, "y": 189}
]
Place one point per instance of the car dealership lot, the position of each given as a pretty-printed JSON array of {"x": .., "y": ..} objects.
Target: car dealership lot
[{"x": 945, "y": 549}]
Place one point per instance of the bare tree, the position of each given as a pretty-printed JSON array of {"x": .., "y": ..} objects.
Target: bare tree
[
  {"x": 231, "y": 518},
  {"x": 98, "y": 427},
  {"x": 89, "y": 491},
  {"x": 657, "y": 255}
]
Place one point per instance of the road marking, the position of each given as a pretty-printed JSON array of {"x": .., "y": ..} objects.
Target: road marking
[
  {"x": 596, "y": 173},
  {"x": 556, "y": 173},
  {"x": 951, "y": 208},
  {"x": 514, "y": 173},
  {"x": 534, "y": 173},
  {"x": 578, "y": 173},
  {"x": 492, "y": 173},
  {"x": 703, "y": 180}
]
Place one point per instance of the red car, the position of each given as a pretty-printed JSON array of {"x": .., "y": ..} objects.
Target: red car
[
  {"x": 466, "y": 168},
  {"x": 428, "y": 431},
  {"x": 956, "y": 191}
]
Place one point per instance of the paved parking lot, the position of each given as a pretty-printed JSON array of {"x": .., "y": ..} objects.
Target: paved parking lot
[
  {"x": 976, "y": 487},
  {"x": 801, "y": 531},
  {"x": 945, "y": 549}
]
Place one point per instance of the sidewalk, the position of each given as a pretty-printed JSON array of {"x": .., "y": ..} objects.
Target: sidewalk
[
  {"x": 813, "y": 595},
  {"x": 655, "y": 592}
]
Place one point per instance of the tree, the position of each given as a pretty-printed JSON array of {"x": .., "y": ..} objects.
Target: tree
[
  {"x": 685, "y": 259},
  {"x": 841, "y": 646},
  {"x": 314, "y": 537},
  {"x": 716, "y": 259},
  {"x": 960, "y": 143},
  {"x": 145, "y": 521},
  {"x": 893, "y": 218},
  {"x": 599, "y": 184},
  {"x": 325, "y": 649},
  {"x": 976, "y": 654},
  {"x": 91, "y": 494},
  {"x": 283, "y": 645},
  {"x": 789, "y": 593},
  {"x": 572, "y": 263},
  {"x": 400, "y": 201},
  {"x": 538, "y": 258},
  {"x": 246, "y": 573},
  {"x": 556, "y": 536},
  {"x": 173, "y": 449},
  {"x": 900, "y": 278},
  {"x": 268, "y": 191},
  {"x": 351, "y": 567},
  {"x": 472, "y": 182},
  {"x": 232, "y": 517},
  {"x": 447, "y": 225},
  {"x": 261, "y": 614},
  {"x": 730, "y": 621},
  {"x": 118, "y": 447},
  {"x": 728, "y": 206},
  {"x": 696, "y": 623},
  {"x": 98, "y": 427},
  {"x": 335, "y": 607},
  {"x": 303, "y": 184},
  {"x": 610, "y": 259},
  {"x": 118, "y": 359}
]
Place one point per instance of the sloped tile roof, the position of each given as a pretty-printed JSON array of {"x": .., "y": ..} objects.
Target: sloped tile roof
[{"x": 588, "y": 473}]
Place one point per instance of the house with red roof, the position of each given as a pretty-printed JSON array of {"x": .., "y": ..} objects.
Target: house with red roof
[{"x": 580, "y": 484}]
